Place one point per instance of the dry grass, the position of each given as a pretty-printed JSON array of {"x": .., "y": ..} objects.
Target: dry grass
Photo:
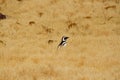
[{"x": 33, "y": 29}]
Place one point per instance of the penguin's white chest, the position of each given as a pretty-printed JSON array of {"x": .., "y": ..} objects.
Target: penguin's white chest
[{"x": 64, "y": 45}]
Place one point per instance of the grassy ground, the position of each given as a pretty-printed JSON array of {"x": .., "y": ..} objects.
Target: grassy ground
[{"x": 33, "y": 28}]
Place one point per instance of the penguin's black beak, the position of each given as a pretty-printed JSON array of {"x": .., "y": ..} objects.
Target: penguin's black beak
[{"x": 67, "y": 37}]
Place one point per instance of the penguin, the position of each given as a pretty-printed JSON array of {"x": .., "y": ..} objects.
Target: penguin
[{"x": 63, "y": 42}]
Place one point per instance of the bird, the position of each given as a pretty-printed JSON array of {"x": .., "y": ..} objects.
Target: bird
[{"x": 63, "y": 42}]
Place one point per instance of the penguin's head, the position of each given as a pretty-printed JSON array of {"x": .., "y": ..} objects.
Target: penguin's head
[{"x": 64, "y": 38}]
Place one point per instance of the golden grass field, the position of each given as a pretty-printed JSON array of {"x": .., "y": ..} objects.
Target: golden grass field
[{"x": 33, "y": 28}]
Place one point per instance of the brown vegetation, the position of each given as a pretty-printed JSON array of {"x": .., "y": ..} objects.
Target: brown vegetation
[{"x": 30, "y": 34}]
